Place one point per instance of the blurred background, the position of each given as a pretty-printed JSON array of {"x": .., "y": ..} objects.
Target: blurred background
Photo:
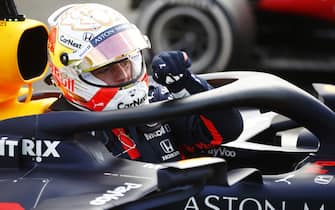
[{"x": 40, "y": 10}]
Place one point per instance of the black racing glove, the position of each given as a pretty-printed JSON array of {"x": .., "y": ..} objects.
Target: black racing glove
[{"x": 171, "y": 69}]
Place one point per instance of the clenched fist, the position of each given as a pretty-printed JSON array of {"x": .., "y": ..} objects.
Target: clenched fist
[{"x": 170, "y": 67}]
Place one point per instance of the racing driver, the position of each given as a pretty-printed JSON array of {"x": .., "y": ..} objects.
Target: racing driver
[{"x": 96, "y": 61}]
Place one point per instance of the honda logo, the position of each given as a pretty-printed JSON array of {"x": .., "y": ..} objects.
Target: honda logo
[
  {"x": 167, "y": 146},
  {"x": 88, "y": 36}
]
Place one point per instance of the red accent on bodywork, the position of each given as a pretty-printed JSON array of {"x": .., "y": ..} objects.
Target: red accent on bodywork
[
  {"x": 11, "y": 206},
  {"x": 320, "y": 167},
  {"x": 127, "y": 143},
  {"x": 217, "y": 138},
  {"x": 324, "y": 164},
  {"x": 323, "y": 9},
  {"x": 315, "y": 169},
  {"x": 216, "y": 141}
]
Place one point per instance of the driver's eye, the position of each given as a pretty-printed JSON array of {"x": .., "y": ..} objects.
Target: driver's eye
[
  {"x": 101, "y": 70},
  {"x": 124, "y": 63}
]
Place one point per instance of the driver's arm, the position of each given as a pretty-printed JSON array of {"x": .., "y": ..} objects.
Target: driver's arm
[{"x": 211, "y": 128}]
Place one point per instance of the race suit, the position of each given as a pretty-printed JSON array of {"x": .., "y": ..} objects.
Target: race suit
[{"x": 169, "y": 140}]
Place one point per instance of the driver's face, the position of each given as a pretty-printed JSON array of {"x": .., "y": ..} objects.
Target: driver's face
[{"x": 115, "y": 73}]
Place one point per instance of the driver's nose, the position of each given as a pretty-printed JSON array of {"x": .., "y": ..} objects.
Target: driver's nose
[{"x": 121, "y": 72}]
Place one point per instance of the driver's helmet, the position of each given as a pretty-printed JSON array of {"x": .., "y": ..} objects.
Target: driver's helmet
[{"x": 96, "y": 57}]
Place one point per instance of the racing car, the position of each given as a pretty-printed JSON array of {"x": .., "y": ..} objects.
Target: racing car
[{"x": 45, "y": 164}]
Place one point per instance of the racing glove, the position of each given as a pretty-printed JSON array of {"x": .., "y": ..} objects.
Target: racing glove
[
  {"x": 172, "y": 70},
  {"x": 169, "y": 69}
]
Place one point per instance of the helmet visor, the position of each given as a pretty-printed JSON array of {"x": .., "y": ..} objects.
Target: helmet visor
[
  {"x": 116, "y": 73},
  {"x": 113, "y": 45}
]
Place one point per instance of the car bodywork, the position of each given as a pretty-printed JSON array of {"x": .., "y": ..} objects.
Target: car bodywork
[
  {"x": 46, "y": 164},
  {"x": 40, "y": 153}
]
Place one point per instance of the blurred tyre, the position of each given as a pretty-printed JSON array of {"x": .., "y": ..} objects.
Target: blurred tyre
[{"x": 217, "y": 34}]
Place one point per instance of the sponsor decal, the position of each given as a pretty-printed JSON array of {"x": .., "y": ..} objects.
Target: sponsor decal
[
  {"x": 169, "y": 149},
  {"x": 134, "y": 103},
  {"x": 114, "y": 194},
  {"x": 170, "y": 156},
  {"x": 285, "y": 179},
  {"x": 62, "y": 79},
  {"x": 323, "y": 179},
  {"x": 101, "y": 104},
  {"x": 157, "y": 133},
  {"x": 108, "y": 33},
  {"x": 31, "y": 148},
  {"x": 152, "y": 125},
  {"x": 70, "y": 42},
  {"x": 88, "y": 36},
  {"x": 221, "y": 152},
  {"x": 216, "y": 202},
  {"x": 167, "y": 146}
]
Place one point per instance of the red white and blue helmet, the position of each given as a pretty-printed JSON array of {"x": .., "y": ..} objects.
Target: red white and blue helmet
[{"x": 88, "y": 37}]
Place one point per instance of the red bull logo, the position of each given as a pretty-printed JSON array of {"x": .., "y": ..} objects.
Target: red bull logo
[{"x": 61, "y": 79}]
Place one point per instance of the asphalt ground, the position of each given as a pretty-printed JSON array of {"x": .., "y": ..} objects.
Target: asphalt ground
[{"x": 41, "y": 10}]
